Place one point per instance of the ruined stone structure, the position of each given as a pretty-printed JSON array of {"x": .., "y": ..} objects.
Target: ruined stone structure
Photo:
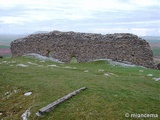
[{"x": 86, "y": 47}]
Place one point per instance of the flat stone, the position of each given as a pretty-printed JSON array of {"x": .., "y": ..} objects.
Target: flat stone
[
  {"x": 21, "y": 65},
  {"x": 27, "y": 93},
  {"x": 150, "y": 75},
  {"x": 156, "y": 79}
]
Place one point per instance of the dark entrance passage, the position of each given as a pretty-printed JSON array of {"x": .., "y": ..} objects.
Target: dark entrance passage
[{"x": 48, "y": 53}]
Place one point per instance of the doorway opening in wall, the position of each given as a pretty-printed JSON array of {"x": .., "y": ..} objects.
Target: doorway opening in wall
[
  {"x": 48, "y": 53},
  {"x": 73, "y": 59}
]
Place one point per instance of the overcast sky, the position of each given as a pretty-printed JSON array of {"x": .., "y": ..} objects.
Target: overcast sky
[{"x": 140, "y": 17}]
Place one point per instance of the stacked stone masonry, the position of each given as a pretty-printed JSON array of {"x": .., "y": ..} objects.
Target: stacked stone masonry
[{"x": 86, "y": 47}]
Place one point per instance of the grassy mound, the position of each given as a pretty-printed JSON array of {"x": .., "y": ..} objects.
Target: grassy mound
[{"x": 112, "y": 91}]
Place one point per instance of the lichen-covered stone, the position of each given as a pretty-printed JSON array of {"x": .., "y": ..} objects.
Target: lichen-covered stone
[{"x": 86, "y": 47}]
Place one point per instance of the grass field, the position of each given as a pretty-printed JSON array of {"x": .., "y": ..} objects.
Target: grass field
[
  {"x": 2, "y": 46},
  {"x": 156, "y": 51},
  {"x": 5, "y": 51},
  {"x": 112, "y": 91}
]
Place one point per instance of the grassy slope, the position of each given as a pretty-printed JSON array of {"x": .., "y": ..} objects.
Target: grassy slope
[
  {"x": 156, "y": 51},
  {"x": 125, "y": 90}
]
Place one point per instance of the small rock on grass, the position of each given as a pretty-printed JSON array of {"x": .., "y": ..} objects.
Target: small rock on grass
[
  {"x": 141, "y": 70},
  {"x": 21, "y": 65},
  {"x": 25, "y": 115},
  {"x": 27, "y": 93},
  {"x": 156, "y": 79},
  {"x": 150, "y": 75},
  {"x": 86, "y": 70}
]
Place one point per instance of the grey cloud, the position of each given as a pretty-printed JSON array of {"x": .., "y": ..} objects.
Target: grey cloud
[{"x": 69, "y": 18}]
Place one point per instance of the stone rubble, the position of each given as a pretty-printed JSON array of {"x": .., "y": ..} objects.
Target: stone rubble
[
  {"x": 156, "y": 79},
  {"x": 42, "y": 58},
  {"x": 124, "y": 64},
  {"x": 25, "y": 115}
]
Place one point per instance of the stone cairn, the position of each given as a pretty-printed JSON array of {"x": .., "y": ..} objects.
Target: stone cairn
[{"x": 86, "y": 47}]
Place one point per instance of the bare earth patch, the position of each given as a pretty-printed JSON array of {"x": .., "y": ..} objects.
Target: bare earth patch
[
  {"x": 4, "y": 51},
  {"x": 154, "y": 45}
]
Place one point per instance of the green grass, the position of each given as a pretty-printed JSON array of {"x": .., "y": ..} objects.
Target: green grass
[
  {"x": 73, "y": 60},
  {"x": 2, "y": 46},
  {"x": 5, "y": 55},
  {"x": 156, "y": 51},
  {"x": 125, "y": 90}
]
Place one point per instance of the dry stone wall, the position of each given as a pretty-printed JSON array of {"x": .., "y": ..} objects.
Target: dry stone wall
[{"x": 86, "y": 47}]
